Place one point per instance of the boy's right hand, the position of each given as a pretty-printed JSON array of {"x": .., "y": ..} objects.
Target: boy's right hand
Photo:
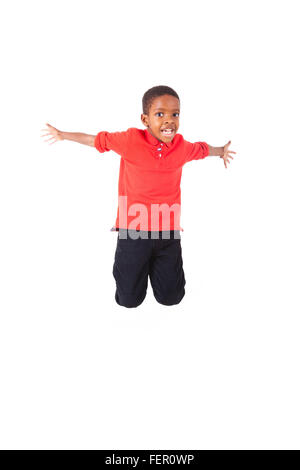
[{"x": 53, "y": 132}]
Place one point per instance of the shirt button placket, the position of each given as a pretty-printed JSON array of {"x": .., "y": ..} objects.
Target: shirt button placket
[{"x": 160, "y": 148}]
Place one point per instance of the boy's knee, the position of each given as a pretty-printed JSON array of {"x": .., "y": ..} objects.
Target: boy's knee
[
  {"x": 129, "y": 300},
  {"x": 170, "y": 298}
]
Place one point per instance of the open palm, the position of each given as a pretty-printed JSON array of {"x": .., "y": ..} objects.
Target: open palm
[
  {"x": 226, "y": 154},
  {"x": 54, "y": 134}
]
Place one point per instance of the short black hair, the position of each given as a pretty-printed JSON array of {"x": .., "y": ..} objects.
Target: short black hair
[{"x": 155, "y": 92}]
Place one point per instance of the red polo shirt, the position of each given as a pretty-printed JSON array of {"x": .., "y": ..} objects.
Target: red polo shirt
[{"x": 149, "y": 177}]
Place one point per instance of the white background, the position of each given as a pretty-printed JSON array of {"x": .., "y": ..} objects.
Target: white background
[{"x": 221, "y": 369}]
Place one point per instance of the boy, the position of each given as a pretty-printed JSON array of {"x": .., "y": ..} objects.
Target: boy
[{"x": 149, "y": 184}]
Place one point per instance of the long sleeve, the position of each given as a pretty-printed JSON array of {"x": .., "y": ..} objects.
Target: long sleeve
[
  {"x": 116, "y": 141},
  {"x": 195, "y": 151}
]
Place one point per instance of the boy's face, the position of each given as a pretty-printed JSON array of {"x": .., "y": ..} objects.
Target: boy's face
[{"x": 163, "y": 114}]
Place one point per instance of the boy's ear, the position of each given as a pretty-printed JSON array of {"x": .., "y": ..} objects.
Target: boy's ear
[{"x": 144, "y": 119}]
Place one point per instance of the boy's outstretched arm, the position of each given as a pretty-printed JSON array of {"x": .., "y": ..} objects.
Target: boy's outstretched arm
[
  {"x": 222, "y": 152},
  {"x": 85, "y": 139}
]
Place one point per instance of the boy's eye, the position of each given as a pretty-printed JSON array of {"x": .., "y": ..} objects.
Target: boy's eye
[{"x": 162, "y": 113}]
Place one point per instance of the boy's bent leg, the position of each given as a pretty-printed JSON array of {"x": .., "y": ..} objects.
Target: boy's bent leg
[
  {"x": 129, "y": 300},
  {"x": 166, "y": 272},
  {"x": 130, "y": 270}
]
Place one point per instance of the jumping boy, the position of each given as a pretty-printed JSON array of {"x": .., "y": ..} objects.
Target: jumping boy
[{"x": 149, "y": 244}]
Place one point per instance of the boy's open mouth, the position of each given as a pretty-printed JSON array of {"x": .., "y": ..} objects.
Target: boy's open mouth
[{"x": 168, "y": 132}]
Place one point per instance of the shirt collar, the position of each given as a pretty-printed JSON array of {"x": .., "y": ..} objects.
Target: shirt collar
[{"x": 154, "y": 141}]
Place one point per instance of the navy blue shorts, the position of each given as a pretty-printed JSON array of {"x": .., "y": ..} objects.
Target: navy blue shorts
[{"x": 160, "y": 259}]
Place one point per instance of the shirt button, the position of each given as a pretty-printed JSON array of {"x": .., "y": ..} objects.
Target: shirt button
[
  {"x": 159, "y": 148},
  {"x": 160, "y": 154}
]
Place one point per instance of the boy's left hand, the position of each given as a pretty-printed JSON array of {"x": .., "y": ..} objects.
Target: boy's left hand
[{"x": 226, "y": 153}]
